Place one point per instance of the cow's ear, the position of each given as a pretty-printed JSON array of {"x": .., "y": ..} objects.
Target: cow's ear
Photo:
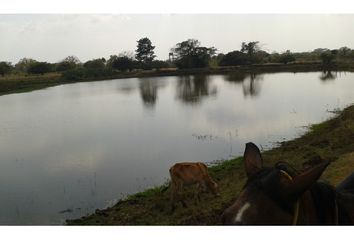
[
  {"x": 253, "y": 159},
  {"x": 305, "y": 180}
]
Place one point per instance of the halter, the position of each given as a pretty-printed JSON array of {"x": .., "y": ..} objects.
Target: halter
[{"x": 297, "y": 204}]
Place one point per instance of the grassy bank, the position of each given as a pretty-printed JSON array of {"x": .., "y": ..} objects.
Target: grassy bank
[
  {"x": 332, "y": 140},
  {"x": 23, "y": 83}
]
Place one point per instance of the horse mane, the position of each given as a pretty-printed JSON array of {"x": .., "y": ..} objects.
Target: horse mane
[
  {"x": 324, "y": 198},
  {"x": 323, "y": 195},
  {"x": 287, "y": 168}
]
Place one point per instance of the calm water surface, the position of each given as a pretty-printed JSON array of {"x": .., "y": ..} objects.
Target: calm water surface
[{"x": 67, "y": 150}]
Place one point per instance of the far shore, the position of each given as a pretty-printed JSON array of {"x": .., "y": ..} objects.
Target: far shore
[{"x": 24, "y": 83}]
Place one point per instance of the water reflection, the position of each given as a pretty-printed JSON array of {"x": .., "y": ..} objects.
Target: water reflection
[
  {"x": 328, "y": 75},
  {"x": 236, "y": 77},
  {"x": 250, "y": 82},
  {"x": 251, "y": 86},
  {"x": 148, "y": 90},
  {"x": 63, "y": 155},
  {"x": 192, "y": 89}
]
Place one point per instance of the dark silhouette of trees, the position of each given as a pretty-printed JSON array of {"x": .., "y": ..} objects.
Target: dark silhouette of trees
[
  {"x": 68, "y": 63},
  {"x": 250, "y": 48},
  {"x": 40, "y": 68},
  {"x": 189, "y": 54},
  {"x": 253, "y": 52},
  {"x": 23, "y": 64},
  {"x": 157, "y": 64},
  {"x": 286, "y": 57},
  {"x": 145, "y": 52},
  {"x": 234, "y": 58},
  {"x": 5, "y": 68},
  {"x": 123, "y": 62},
  {"x": 94, "y": 68},
  {"x": 98, "y": 63},
  {"x": 327, "y": 57}
]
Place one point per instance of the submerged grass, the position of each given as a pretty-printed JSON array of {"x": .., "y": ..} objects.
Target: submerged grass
[{"x": 332, "y": 140}]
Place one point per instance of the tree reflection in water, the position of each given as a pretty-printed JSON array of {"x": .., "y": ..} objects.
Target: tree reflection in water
[
  {"x": 327, "y": 75},
  {"x": 250, "y": 82},
  {"x": 192, "y": 89},
  {"x": 148, "y": 90}
]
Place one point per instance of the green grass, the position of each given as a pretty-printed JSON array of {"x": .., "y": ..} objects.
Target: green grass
[
  {"x": 332, "y": 140},
  {"x": 25, "y": 83}
]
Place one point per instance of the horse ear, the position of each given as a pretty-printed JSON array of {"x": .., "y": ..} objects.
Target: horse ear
[
  {"x": 305, "y": 180},
  {"x": 253, "y": 159}
]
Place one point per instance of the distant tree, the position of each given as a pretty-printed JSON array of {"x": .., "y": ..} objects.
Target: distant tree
[
  {"x": 327, "y": 57},
  {"x": 344, "y": 52},
  {"x": 68, "y": 63},
  {"x": 319, "y": 51},
  {"x": 145, "y": 52},
  {"x": 122, "y": 62},
  {"x": 157, "y": 64},
  {"x": 250, "y": 48},
  {"x": 254, "y": 52},
  {"x": 5, "y": 68},
  {"x": 260, "y": 57},
  {"x": 24, "y": 64},
  {"x": 75, "y": 74},
  {"x": 98, "y": 63},
  {"x": 234, "y": 58},
  {"x": 286, "y": 57},
  {"x": 189, "y": 54},
  {"x": 40, "y": 68}
]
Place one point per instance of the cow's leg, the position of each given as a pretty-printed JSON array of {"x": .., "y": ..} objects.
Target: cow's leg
[
  {"x": 181, "y": 188},
  {"x": 173, "y": 195},
  {"x": 198, "y": 193}
]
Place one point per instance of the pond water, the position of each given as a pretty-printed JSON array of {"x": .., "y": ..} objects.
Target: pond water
[{"x": 69, "y": 149}]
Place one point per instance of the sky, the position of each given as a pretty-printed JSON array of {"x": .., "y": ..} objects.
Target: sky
[{"x": 52, "y": 37}]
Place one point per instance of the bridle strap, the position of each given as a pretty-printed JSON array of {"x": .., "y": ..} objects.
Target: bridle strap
[{"x": 297, "y": 204}]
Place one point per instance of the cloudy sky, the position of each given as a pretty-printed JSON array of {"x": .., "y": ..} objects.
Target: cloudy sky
[{"x": 53, "y": 37}]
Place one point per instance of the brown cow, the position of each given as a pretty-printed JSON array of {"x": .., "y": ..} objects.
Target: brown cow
[{"x": 190, "y": 173}]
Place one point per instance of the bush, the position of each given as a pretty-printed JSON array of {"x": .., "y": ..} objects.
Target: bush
[
  {"x": 82, "y": 73},
  {"x": 74, "y": 74},
  {"x": 122, "y": 63},
  {"x": 159, "y": 64},
  {"x": 98, "y": 63},
  {"x": 40, "y": 68},
  {"x": 5, "y": 68},
  {"x": 234, "y": 58}
]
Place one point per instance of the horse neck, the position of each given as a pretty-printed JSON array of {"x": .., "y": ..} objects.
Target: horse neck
[{"x": 318, "y": 205}]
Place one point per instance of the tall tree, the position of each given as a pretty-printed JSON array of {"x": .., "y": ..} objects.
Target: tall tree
[
  {"x": 250, "y": 48},
  {"x": 24, "y": 64},
  {"x": 145, "y": 51},
  {"x": 5, "y": 68},
  {"x": 123, "y": 62},
  {"x": 189, "y": 54},
  {"x": 68, "y": 63}
]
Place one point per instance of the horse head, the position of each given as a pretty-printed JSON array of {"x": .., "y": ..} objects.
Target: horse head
[{"x": 271, "y": 194}]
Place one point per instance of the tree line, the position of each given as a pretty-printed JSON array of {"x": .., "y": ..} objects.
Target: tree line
[{"x": 186, "y": 54}]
